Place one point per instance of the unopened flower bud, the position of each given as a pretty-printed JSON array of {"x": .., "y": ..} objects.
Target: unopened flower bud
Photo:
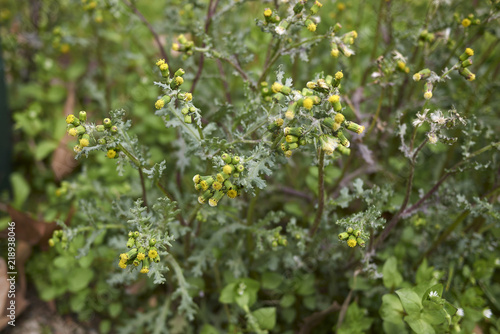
[
  {"x": 82, "y": 116},
  {"x": 343, "y": 236}
]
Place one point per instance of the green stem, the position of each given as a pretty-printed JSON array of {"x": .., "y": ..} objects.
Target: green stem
[{"x": 139, "y": 166}]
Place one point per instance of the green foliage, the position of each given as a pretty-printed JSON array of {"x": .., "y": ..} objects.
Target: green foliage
[{"x": 356, "y": 144}]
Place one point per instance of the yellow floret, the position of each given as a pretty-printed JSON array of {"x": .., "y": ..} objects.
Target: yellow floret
[
  {"x": 152, "y": 254},
  {"x": 122, "y": 265},
  {"x": 469, "y": 52},
  {"x": 311, "y": 27},
  {"x": 466, "y": 22},
  {"x": 163, "y": 67},
  {"x": 276, "y": 87},
  {"x": 159, "y": 104},
  {"x": 160, "y": 62},
  {"x": 268, "y": 12},
  {"x": 339, "y": 118},
  {"x": 351, "y": 242},
  {"x": 339, "y": 75},
  {"x": 227, "y": 169},
  {"x": 334, "y": 98},
  {"x": 72, "y": 132},
  {"x": 123, "y": 257},
  {"x": 188, "y": 97},
  {"x": 111, "y": 154},
  {"x": 70, "y": 119},
  {"x": 334, "y": 53},
  {"x": 427, "y": 95},
  {"x": 308, "y": 103},
  {"x": 232, "y": 193},
  {"x": 141, "y": 256},
  {"x": 84, "y": 142},
  {"x": 417, "y": 77},
  {"x": 144, "y": 270}
]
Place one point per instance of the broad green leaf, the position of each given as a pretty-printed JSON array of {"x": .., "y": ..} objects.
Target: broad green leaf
[
  {"x": 391, "y": 276},
  {"x": 271, "y": 280},
  {"x": 424, "y": 272},
  {"x": 412, "y": 303},
  {"x": 44, "y": 149},
  {"x": 355, "y": 321},
  {"x": 114, "y": 309},
  {"x": 433, "y": 313},
  {"x": 242, "y": 299},
  {"x": 208, "y": 329},
  {"x": 287, "y": 300},
  {"x": 397, "y": 327},
  {"x": 78, "y": 301},
  {"x": 391, "y": 309},
  {"x": 21, "y": 189},
  {"x": 266, "y": 317},
  {"x": 80, "y": 278},
  {"x": 305, "y": 285},
  {"x": 418, "y": 325},
  {"x": 228, "y": 293}
]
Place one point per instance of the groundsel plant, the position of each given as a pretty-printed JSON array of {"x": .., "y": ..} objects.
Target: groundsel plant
[{"x": 295, "y": 183}]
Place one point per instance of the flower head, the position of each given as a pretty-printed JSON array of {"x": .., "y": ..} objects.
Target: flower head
[
  {"x": 437, "y": 117},
  {"x": 308, "y": 103},
  {"x": 152, "y": 254},
  {"x": 72, "y": 132},
  {"x": 232, "y": 193},
  {"x": 339, "y": 75},
  {"x": 280, "y": 30},
  {"x": 111, "y": 154},
  {"x": 466, "y": 22},
  {"x": 460, "y": 312},
  {"x": 433, "y": 294},
  {"x": 159, "y": 104},
  {"x": 70, "y": 119},
  {"x": 122, "y": 264},
  {"x": 276, "y": 87},
  {"x": 351, "y": 242},
  {"x": 84, "y": 142},
  {"x": 141, "y": 256},
  {"x": 333, "y": 98},
  {"x": 311, "y": 27},
  {"x": 487, "y": 313},
  {"x": 432, "y": 138}
]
